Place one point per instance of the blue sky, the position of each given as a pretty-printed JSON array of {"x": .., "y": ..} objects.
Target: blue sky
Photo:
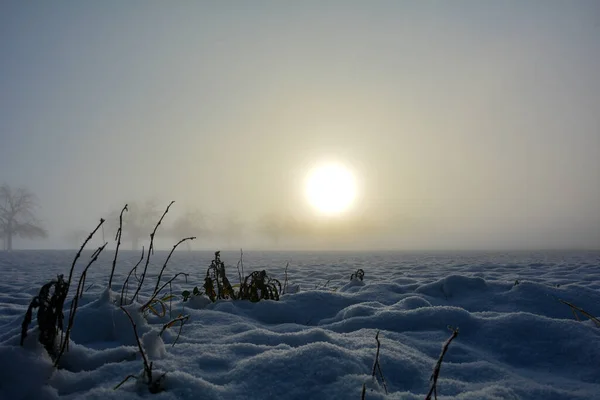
[{"x": 469, "y": 124}]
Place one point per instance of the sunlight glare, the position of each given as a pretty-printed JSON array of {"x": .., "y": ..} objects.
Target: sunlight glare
[{"x": 331, "y": 188}]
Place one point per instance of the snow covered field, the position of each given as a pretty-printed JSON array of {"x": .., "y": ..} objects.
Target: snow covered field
[{"x": 515, "y": 341}]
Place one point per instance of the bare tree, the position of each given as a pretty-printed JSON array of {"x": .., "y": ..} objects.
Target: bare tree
[{"x": 17, "y": 216}]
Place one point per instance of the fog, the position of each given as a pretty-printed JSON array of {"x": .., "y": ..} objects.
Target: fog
[{"x": 468, "y": 125}]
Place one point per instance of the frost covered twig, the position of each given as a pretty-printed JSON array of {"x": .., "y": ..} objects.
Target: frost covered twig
[
  {"x": 574, "y": 308},
  {"x": 80, "y": 250},
  {"x": 125, "y": 284},
  {"x": 324, "y": 286},
  {"x": 153, "y": 386},
  {"x": 240, "y": 262},
  {"x": 80, "y": 286},
  {"x": 167, "y": 260},
  {"x": 128, "y": 377},
  {"x": 377, "y": 365},
  {"x": 182, "y": 319},
  {"x": 151, "y": 250},
  {"x": 118, "y": 239},
  {"x": 50, "y": 305},
  {"x": 438, "y": 366},
  {"x": 61, "y": 302},
  {"x": 153, "y": 298},
  {"x": 137, "y": 339},
  {"x": 285, "y": 282}
]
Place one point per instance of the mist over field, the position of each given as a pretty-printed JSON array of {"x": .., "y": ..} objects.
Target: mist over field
[{"x": 467, "y": 125}]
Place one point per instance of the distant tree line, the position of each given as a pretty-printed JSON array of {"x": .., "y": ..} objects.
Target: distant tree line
[{"x": 140, "y": 219}]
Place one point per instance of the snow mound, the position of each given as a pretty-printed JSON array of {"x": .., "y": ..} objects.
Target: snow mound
[
  {"x": 516, "y": 340},
  {"x": 454, "y": 286},
  {"x": 198, "y": 302}
]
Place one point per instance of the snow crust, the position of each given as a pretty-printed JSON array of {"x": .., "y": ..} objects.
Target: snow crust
[{"x": 516, "y": 341}]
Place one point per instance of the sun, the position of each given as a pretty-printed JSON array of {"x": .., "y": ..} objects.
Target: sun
[{"x": 330, "y": 188}]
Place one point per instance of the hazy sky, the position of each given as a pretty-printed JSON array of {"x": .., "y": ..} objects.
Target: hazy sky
[{"x": 469, "y": 124}]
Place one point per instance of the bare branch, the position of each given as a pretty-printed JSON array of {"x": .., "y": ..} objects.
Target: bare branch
[
  {"x": 118, "y": 239},
  {"x": 151, "y": 250},
  {"x": 81, "y": 249},
  {"x": 147, "y": 304},
  {"x": 285, "y": 282},
  {"x": 377, "y": 366},
  {"x": 147, "y": 367},
  {"x": 438, "y": 366},
  {"x": 74, "y": 262},
  {"x": 128, "y": 275},
  {"x": 182, "y": 319},
  {"x": 128, "y": 377},
  {"x": 75, "y": 302},
  {"x": 168, "y": 258},
  {"x": 582, "y": 311}
]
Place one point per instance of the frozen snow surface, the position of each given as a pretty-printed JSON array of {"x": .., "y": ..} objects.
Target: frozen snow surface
[{"x": 516, "y": 340}]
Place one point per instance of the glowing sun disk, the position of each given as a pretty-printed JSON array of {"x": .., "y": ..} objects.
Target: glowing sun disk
[{"x": 331, "y": 188}]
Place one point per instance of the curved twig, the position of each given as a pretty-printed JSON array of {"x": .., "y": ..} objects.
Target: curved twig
[
  {"x": 147, "y": 304},
  {"x": 182, "y": 319},
  {"x": 151, "y": 250},
  {"x": 65, "y": 342},
  {"x": 147, "y": 367},
  {"x": 118, "y": 239},
  {"x": 125, "y": 284},
  {"x": 438, "y": 366},
  {"x": 80, "y": 250},
  {"x": 168, "y": 258}
]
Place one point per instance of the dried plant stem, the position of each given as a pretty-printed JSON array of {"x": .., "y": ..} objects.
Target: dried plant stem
[
  {"x": 118, "y": 239},
  {"x": 80, "y": 250},
  {"x": 153, "y": 386},
  {"x": 377, "y": 366},
  {"x": 168, "y": 258},
  {"x": 149, "y": 302},
  {"x": 170, "y": 300},
  {"x": 83, "y": 276},
  {"x": 241, "y": 263},
  {"x": 438, "y": 366},
  {"x": 182, "y": 319},
  {"x": 150, "y": 250},
  {"x": 323, "y": 286},
  {"x": 125, "y": 380},
  {"x": 126, "y": 283},
  {"x": 285, "y": 282},
  {"x": 61, "y": 303},
  {"x": 65, "y": 343},
  {"x": 147, "y": 366},
  {"x": 574, "y": 308}
]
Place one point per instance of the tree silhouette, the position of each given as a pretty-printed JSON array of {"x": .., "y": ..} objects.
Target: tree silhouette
[{"x": 17, "y": 216}]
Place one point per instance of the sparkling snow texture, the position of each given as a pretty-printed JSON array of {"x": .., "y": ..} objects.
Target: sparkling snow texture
[{"x": 516, "y": 341}]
